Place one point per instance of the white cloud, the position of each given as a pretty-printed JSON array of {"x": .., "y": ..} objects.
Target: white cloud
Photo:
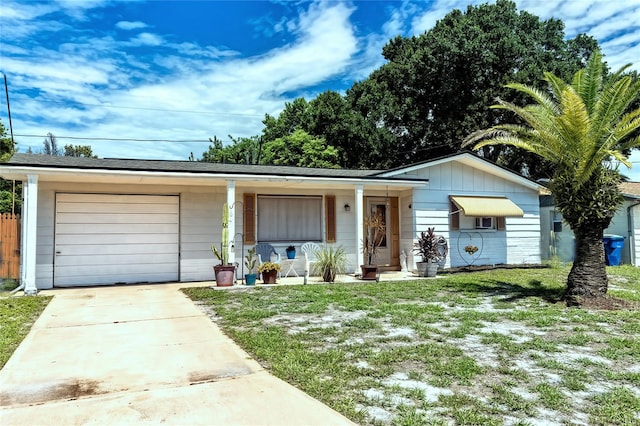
[
  {"x": 130, "y": 25},
  {"x": 208, "y": 92},
  {"x": 147, "y": 39},
  {"x": 150, "y": 88}
]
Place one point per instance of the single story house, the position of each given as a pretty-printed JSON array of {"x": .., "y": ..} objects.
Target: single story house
[
  {"x": 558, "y": 239},
  {"x": 106, "y": 221}
]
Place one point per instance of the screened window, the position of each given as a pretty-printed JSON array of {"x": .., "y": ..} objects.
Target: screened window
[{"x": 289, "y": 218}]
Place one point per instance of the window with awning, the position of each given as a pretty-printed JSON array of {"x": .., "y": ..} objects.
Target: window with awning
[
  {"x": 486, "y": 212},
  {"x": 487, "y": 206}
]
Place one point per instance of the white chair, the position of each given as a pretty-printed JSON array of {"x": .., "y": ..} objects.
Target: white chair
[
  {"x": 309, "y": 250},
  {"x": 266, "y": 253}
]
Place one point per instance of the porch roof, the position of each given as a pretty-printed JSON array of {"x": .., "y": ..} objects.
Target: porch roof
[{"x": 74, "y": 167}]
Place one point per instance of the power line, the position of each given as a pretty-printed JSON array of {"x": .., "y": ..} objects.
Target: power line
[{"x": 119, "y": 139}]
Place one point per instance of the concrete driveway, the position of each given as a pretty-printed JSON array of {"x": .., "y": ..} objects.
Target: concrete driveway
[{"x": 142, "y": 354}]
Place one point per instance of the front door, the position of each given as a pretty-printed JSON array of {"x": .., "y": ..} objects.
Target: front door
[{"x": 381, "y": 207}]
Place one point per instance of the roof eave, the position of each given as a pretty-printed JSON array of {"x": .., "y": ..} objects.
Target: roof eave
[{"x": 14, "y": 172}]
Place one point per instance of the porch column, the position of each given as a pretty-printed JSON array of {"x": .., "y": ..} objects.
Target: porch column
[
  {"x": 231, "y": 204},
  {"x": 359, "y": 228},
  {"x": 29, "y": 231}
]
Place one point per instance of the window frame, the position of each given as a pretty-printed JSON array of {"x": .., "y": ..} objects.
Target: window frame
[
  {"x": 316, "y": 236},
  {"x": 481, "y": 225}
]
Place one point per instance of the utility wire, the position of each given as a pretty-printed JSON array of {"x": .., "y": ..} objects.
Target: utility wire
[{"x": 119, "y": 139}]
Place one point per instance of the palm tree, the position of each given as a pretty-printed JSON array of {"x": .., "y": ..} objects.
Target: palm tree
[{"x": 585, "y": 130}]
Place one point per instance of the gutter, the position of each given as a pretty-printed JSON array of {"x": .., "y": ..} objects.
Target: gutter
[
  {"x": 630, "y": 227},
  {"x": 19, "y": 171}
]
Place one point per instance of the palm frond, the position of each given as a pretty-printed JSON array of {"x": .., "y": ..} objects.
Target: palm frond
[
  {"x": 541, "y": 98},
  {"x": 613, "y": 101},
  {"x": 588, "y": 81},
  {"x": 557, "y": 84}
]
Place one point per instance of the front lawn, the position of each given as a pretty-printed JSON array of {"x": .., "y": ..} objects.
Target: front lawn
[
  {"x": 488, "y": 347},
  {"x": 17, "y": 314}
]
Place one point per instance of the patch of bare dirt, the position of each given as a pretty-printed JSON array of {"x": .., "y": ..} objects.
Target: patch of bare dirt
[{"x": 608, "y": 303}]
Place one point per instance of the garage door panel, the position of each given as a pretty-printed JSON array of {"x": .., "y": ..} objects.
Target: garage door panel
[
  {"x": 107, "y": 249},
  {"x": 107, "y": 239},
  {"x": 98, "y": 239},
  {"x": 109, "y": 278},
  {"x": 115, "y": 228},
  {"x": 117, "y": 260},
  {"x": 116, "y": 208},
  {"x": 114, "y": 198},
  {"x": 121, "y": 218}
]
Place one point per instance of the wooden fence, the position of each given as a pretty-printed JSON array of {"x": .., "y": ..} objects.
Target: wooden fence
[{"x": 9, "y": 246}]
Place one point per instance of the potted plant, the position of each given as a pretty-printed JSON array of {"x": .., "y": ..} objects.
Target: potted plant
[
  {"x": 330, "y": 261},
  {"x": 374, "y": 236},
  {"x": 428, "y": 248},
  {"x": 269, "y": 271},
  {"x": 291, "y": 252},
  {"x": 225, "y": 271},
  {"x": 250, "y": 261}
]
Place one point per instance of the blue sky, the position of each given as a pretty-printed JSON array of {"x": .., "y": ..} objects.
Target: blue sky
[{"x": 184, "y": 71}]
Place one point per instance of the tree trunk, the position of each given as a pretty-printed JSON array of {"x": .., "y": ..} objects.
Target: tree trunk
[{"x": 588, "y": 276}]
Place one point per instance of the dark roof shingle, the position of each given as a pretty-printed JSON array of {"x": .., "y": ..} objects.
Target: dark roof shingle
[{"x": 35, "y": 160}]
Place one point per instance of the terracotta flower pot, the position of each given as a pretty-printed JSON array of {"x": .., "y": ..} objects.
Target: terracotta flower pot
[
  {"x": 369, "y": 272},
  {"x": 269, "y": 277},
  {"x": 225, "y": 275}
]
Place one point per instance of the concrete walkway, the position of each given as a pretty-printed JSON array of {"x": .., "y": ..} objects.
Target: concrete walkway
[{"x": 142, "y": 355}]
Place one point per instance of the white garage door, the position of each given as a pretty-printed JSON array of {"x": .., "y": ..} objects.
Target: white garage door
[{"x": 105, "y": 239}]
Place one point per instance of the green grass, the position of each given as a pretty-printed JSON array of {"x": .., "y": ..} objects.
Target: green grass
[
  {"x": 616, "y": 407},
  {"x": 17, "y": 314},
  {"x": 486, "y": 348}
]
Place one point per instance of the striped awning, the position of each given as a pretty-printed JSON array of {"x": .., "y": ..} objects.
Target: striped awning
[{"x": 487, "y": 206}]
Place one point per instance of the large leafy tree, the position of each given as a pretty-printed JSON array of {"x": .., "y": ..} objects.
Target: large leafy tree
[
  {"x": 359, "y": 143},
  {"x": 583, "y": 129},
  {"x": 433, "y": 90},
  {"x": 300, "y": 149},
  {"x": 242, "y": 150}
]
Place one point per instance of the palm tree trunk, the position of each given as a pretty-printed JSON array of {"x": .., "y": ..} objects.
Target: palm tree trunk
[{"x": 588, "y": 276}]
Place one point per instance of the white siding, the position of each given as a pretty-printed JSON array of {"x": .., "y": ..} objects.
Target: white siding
[
  {"x": 345, "y": 225},
  {"x": 523, "y": 239},
  {"x": 197, "y": 232},
  {"x": 200, "y": 227},
  {"x": 519, "y": 243},
  {"x": 492, "y": 249}
]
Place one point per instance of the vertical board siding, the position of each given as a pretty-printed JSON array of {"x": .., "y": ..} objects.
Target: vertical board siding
[{"x": 9, "y": 246}]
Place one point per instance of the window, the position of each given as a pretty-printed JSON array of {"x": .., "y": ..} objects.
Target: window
[
  {"x": 289, "y": 218},
  {"x": 484, "y": 223}
]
